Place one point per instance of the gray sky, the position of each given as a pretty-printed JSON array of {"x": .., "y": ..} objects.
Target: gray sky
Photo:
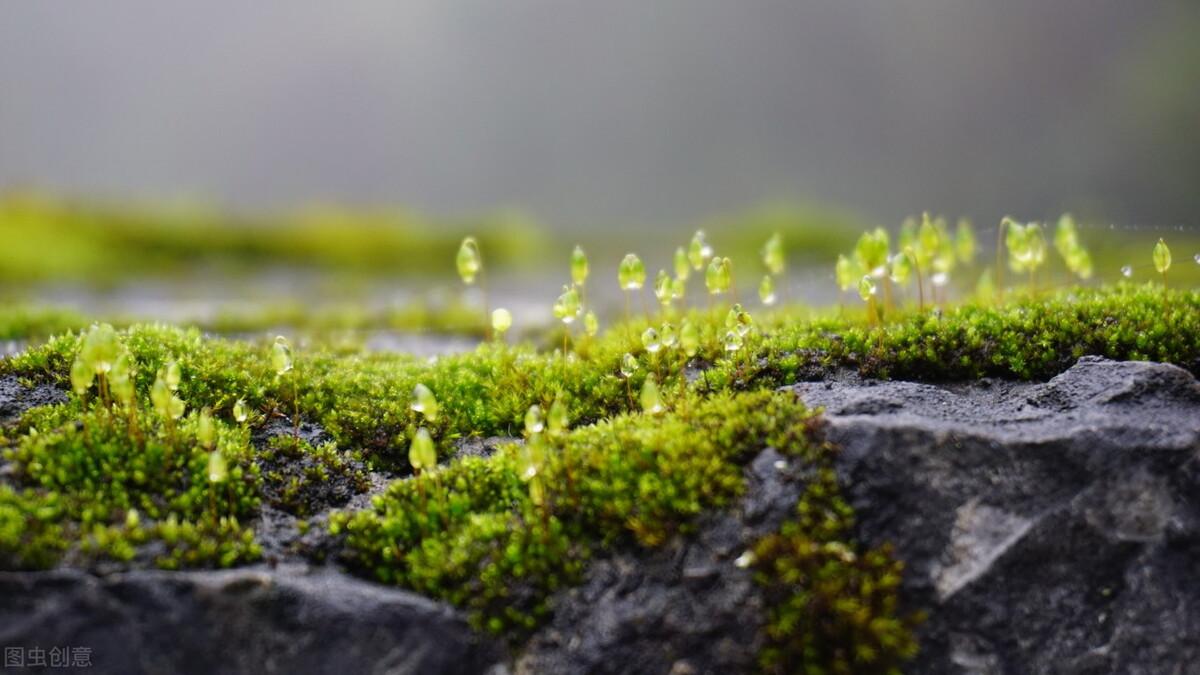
[{"x": 621, "y": 112}]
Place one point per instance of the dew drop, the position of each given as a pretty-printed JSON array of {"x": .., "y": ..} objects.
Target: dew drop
[
  {"x": 1127, "y": 271},
  {"x": 1196, "y": 258}
]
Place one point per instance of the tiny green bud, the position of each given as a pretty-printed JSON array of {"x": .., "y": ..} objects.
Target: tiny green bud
[
  {"x": 866, "y": 288},
  {"x": 591, "y": 325},
  {"x": 929, "y": 239},
  {"x": 421, "y": 453},
  {"x": 847, "y": 273},
  {"x": 698, "y": 250},
  {"x": 719, "y": 275},
  {"x": 1162, "y": 257},
  {"x": 120, "y": 380},
  {"x": 468, "y": 260},
  {"x": 501, "y": 321},
  {"x": 964, "y": 242},
  {"x": 772, "y": 254},
  {"x": 533, "y": 420},
  {"x": 239, "y": 411},
  {"x": 744, "y": 323},
  {"x": 100, "y": 348},
  {"x": 871, "y": 251},
  {"x": 683, "y": 267},
  {"x": 766, "y": 290},
  {"x": 425, "y": 402},
  {"x": 650, "y": 340},
  {"x": 651, "y": 400},
  {"x": 732, "y": 341},
  {"x": 631, "y": 273},
  {"x": 668, "y": 336},
  {"x": 532, "y": 457},
  {"x": 901, "y": 267},
  {"x": 664, "y": 288},
  {"x": 678, "y": 289},
  {"x": 172, "y": 375},
  {"x": 166, "y": 404},
  {"x": 579, "y": 266},
  {"x": 557, "y": 420},
  {"x": 205, "y": 430},
  {"x": 566, "y": 307},
  {"x": 629, "y": 365},
  {"x": 689, "y": 338},
  {"x": 82, "y": 375},
  {"x": 218, "y": 470},
  {"x": 281, "y": 356},
  {"x": 731, "y": 317}
]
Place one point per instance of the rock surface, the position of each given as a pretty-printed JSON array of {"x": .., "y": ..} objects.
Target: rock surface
[
  {"x": 238, "y": 621},
  {"x": 1046, "y": 528},
  {"x": 16, "y": 398}
]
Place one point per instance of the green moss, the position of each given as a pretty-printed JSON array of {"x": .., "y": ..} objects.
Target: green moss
[
  {"x": 85, "y": 483},
  {"x": 341, "y": 327},
  {"x": 302, "y": 479},
  {"x": 833, "y": 607},
  {"x": 52, "y": 239},
  {"x": 363, "y": 399},
  {"x": 474, "y": 535},
  {"x": 98, "y": 483}
]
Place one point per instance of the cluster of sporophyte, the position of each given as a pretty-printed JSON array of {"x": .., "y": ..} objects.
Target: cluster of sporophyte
[
  {"x": 1024, "y": 338},
  {"x": 364, "y": 400},
  {"x": 929, "y": 252},
  {"x": 133, "y": 467},
  {"x": 926, "y": 253},
  {"x": 497, "y": 536},
  {"x": 92, "y": 482},
  {"x": 833, "y": 607}
]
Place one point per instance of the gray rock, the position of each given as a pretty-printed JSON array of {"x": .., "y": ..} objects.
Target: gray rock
[
  {"x": 475, "y": 446},
  {"x": 238, "y": 621},
  {"x": 686, "y": 607},
  {"x": 1046, "y": 527},
  {"x": 16, "y": 398}
]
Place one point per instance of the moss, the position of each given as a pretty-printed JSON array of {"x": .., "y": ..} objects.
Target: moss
[
  {"x": 54, "y": 239},
  {"x": 345, "y": 328},
  {"x": 86, "y": 483},
  {"x": 363, "y": 400},
  {"x": 475, "y": 534},
  {"x": 833, "y": 607},
  {"x": 101, "y": 483},
  {"x": 302, "y": 479}
]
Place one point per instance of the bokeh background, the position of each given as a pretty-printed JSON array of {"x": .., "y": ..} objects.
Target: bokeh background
[{"x": 365, "y": 138}]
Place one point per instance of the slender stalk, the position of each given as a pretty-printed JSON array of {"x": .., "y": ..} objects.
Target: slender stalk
[
  {"x": 212, "y": 503},
  {"x": 999, "y": 266},
  {"x": 683, "y": 380},
  {"x": 296, "y": 411},
  {"x": 920, "y": 286},
  {"x": 628, "y": 321},
  {"x": 1166, "y": 298},
  {"x": 566, "y": 332}
]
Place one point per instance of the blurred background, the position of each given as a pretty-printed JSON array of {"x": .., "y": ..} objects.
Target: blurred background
[{"x": 174, "y": 159}]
